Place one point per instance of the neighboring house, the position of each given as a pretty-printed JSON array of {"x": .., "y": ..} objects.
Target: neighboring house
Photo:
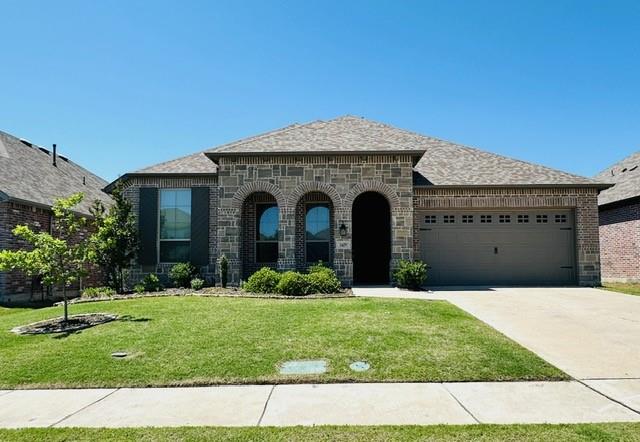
[
  {"x": 31, "y": 179},
  {"x": 360, "y": 196},
  {"x": 620, "y": 221}
]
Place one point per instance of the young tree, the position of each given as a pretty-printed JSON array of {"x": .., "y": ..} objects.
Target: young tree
[
  {"x": 115, "y": 242},
  {"x": 59, "y": 258}
]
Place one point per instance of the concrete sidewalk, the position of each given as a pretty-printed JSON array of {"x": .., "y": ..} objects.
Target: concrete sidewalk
[{"x": 324, "y": 404}]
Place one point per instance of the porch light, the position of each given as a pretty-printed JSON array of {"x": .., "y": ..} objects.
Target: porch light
[{"x": 343, "y": 230}]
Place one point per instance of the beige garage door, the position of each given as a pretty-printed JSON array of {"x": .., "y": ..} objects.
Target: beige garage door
[{"x": 498, "y": 247}]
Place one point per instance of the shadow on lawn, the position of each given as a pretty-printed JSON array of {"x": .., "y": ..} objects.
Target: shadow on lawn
[{"x": 123, "y": 318}]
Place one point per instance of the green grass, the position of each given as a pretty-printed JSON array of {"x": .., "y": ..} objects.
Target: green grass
[
  {"x": 198, "y": 341},
  {"x": 575, "y": 432},
  {"x": 628, "y": 288}
]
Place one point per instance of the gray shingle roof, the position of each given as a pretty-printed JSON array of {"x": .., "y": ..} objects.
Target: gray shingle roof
[
  {"x": 190, "y": 164},
  {"x": 27, "y": 174},
  {"x": 443, "y": 163},
  {"x": 344, "y": 134},
  {"x": 626, "y": 177}
]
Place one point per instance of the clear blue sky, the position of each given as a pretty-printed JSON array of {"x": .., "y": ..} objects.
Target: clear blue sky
[{"x": 123, "y": 84}]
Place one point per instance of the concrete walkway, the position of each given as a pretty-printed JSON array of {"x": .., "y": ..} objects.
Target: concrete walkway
[{"x": 323, "y": 404}]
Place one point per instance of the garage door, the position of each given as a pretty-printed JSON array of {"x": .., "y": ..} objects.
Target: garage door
[{"x": 498, "y": 247}]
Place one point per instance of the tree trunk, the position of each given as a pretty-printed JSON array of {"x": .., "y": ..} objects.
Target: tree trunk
[{"x": 66, "y": 307}]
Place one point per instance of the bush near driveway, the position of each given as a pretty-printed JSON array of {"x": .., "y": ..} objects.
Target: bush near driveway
[{"x": 410, "y": 274}]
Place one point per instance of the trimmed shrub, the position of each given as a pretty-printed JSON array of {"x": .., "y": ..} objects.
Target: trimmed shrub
[
  {"x": 197, "y": 283},
  {"x": 322, "y": 279},
  {"x": 151, "y": 283},
  {"x": 98, "y": 292},
  {"x": 293, "y": 284},
  {"x": 182, "y": 273},
  {"x": 138, "y": 288},
  {"x": 410, "y": 275},
  {"x": 264, "y": 280},
  {"x": 224, "y": 270}
]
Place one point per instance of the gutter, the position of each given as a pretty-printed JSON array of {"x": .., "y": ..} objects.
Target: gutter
[
  {"x": 109, "y": 187},
  {"x": 599, "y": 186},
  {"x": 213, "y": 155}
]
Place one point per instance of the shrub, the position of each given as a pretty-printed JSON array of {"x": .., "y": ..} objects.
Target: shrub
[
  {"x": 322, "y": 279},
  {"x": 410, "y": 275},
  {"x": 138, "y": 288},
  {"x": 197, "y": 283},
  {"x": 264, "y": 280},
  {"x": 293, "y": 284},
  {"x": 98, "y": 292},
  {"x": 182, "y": 273},
  {"x": 151, "y": 283},
  {"x": 224, "y": 270}
]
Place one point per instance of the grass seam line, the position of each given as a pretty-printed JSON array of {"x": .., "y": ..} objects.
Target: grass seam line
[
  {"x": 264, "y": 409},
  {"x": 444, "y": 385},
  {"x": 84, "y": 408}
]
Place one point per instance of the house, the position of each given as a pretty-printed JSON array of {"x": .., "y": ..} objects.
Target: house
[
  {"x": 31, "y": 179},
  {"x": 620, "y": 221},
  {"x": 360, "y": 196}
]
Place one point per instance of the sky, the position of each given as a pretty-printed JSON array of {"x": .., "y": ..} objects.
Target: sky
[{"x": 120, "y": 85}]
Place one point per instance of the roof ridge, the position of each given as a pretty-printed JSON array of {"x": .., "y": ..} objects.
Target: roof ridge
[
  {"x": 203, "y": 152},
  {"x": 473, "y": 148}
]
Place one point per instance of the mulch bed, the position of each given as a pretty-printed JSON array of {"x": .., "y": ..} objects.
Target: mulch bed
[
  {"x": 59, "y": 325},
  {"x": 232, "y": 292}
]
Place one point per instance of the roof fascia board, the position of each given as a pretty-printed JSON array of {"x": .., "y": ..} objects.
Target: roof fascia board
[{"x": 599, "y": 186}]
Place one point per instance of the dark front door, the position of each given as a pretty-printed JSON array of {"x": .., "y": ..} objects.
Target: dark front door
[{"x": 371, "y": 243}]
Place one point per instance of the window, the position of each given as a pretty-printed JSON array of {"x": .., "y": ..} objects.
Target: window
[
  {"x": 485, "y": 219},
  {"x": 542, "y": 219},
  {"x": 467, "y": 219},
  {"x": 504, "y": 218},
  {"x": 523, "y": 219},
  {"x": 430, "y": 219},
  {"x": 175, "y": 225},
  {"x": 449, "y": 219},
  {"x": 267, "y": 219},
  {"x": 317, "y": 232},
  {"x": 561, "y": 219}
]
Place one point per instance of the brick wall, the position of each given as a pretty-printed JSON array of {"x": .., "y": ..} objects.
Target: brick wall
[
  {"x": 15, "y": 286},
  {"x": 132, "y": 192},
  {"x": 289, "y": 178},
  {"x": 584, "y": 201},
  {"x": 620, "y": 242}
]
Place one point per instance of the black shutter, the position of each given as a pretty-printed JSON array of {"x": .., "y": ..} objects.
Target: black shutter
[
  {"x": 148, "y": 226},
  {"x": 200, "y": 226}
]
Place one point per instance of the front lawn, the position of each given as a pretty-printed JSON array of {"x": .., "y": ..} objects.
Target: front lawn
[
  {"x": 575, "y": 432},
  {"x": 197, "y": 340},
  {"x": 621, "y": 287}
]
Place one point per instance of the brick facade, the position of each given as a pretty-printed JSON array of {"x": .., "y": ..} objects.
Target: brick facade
[
  {"x": 582, "y": 200},
  {"x": 291, "y": 181},
  {"x": 132, "y": 192},
  {"x": 15, "y": 286},
  {"x": 620, "y": 242},
  {"x": 289, "y": 178}
]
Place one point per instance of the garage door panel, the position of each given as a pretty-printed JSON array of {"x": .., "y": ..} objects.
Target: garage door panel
[{"x": 500, "y": 253}]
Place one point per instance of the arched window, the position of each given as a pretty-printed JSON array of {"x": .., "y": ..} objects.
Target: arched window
[
  {"x": 317, "y": 232},
  {"x": 267, "y": 216}
]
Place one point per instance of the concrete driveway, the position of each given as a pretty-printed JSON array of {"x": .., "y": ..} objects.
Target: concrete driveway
[{"x": 588, "y": 333}]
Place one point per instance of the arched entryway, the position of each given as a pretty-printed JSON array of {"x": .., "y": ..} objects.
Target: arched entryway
[
  {"x": 260, "y": 222},
  {"x": 371, "y": 239}
]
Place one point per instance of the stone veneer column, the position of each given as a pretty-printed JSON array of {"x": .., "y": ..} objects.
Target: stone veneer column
[
  {"x": 287, "y": 239},
  {"x": 229, "y": 240},
  {"x": 342, "y": 261}
]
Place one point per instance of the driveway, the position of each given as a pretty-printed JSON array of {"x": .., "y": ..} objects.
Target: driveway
[{"x": 588, "y": 333}]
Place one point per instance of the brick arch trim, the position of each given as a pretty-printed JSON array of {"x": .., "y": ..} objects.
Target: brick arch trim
[
  {"x": 258, "y": 186},
  {"x": 305, "y": 188},
  {"x": 372, "y": 186}
]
